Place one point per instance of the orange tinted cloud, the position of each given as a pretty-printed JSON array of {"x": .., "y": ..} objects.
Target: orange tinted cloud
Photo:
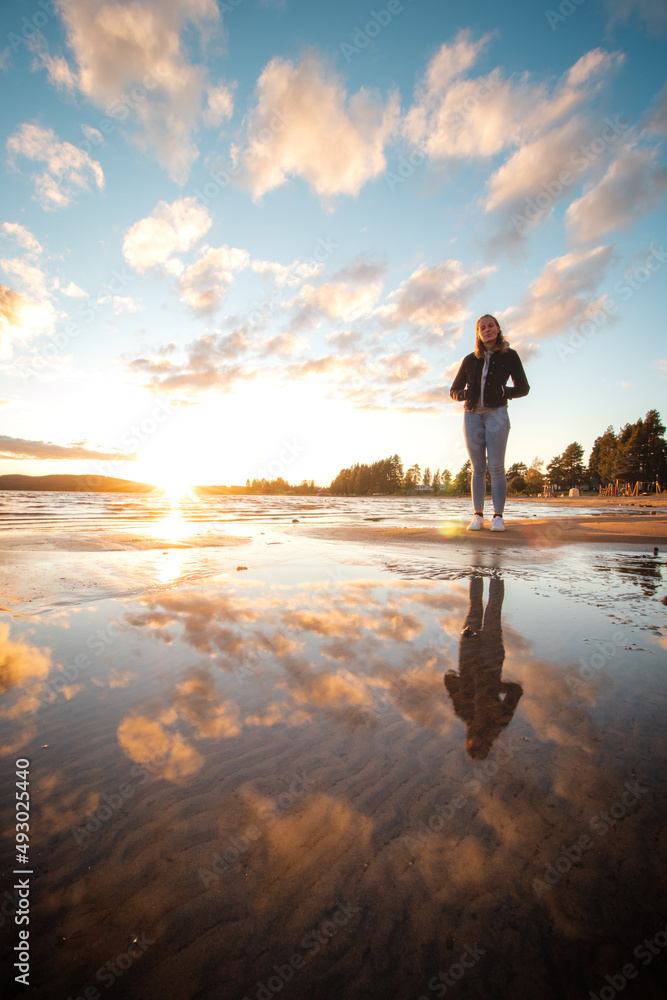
[{"x": 334, "y": 142}]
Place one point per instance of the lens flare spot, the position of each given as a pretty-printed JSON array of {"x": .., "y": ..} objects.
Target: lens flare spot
[{"x": 449, "y": 528}]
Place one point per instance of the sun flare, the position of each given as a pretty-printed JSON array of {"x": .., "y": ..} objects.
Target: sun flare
[{"x": 175, "y": 487}]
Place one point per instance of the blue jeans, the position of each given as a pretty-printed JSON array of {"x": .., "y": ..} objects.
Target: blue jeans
[{"x": 486, "y": 433}]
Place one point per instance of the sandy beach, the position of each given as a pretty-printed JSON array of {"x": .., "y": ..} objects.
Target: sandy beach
[
  {"x": 340, "y": 760},
  {"x": 619, "y": 530}
]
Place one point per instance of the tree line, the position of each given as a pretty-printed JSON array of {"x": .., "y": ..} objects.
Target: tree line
[
  {"x": 279, "y": 485},
  {"x": 637, "y": 453}
]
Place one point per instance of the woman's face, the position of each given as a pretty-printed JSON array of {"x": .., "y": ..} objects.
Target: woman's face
[{"x": 488, "y": 331}]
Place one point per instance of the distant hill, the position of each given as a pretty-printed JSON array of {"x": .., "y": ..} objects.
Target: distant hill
[{"x": 74, "y": 484}]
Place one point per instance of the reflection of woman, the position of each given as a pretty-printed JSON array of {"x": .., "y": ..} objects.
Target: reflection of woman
[
  {"x": 484, "y": 701},
  {"x": 481, "y": 382}
]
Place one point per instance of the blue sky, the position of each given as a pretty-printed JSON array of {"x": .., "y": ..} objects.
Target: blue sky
[{"x": 252, "y": 239}]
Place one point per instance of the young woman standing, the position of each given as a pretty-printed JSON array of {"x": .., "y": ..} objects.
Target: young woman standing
[{"x": 481, "y": 383}]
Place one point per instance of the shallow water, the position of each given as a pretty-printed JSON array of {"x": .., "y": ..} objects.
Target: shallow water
[
  {"x": 48, "y": 512},
  {"x": 301, "y": 778}
]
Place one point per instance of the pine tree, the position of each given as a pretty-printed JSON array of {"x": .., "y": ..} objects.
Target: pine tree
[
  {"x": 534, "y": 476},
  {"x": 463, "y": 478}
]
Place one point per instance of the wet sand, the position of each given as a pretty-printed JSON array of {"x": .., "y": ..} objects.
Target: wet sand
[
  {"x": 353, "y": 768},
  {"x": 547, "y": 532}
]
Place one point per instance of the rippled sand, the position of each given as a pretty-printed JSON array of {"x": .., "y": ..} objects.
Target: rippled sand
[{"x": 320, "y": 767}]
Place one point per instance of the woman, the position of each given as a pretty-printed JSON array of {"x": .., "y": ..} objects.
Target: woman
[{"x": 481, "y": 382}]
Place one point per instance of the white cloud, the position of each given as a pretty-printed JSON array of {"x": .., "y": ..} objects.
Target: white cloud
[
  {"x": 632, "y": 186},
  {"x": 655, "y": 122},
  {"x": 21, "y": 448},
  {"x": 170, "y": 229},
  {"x": 175, "y": 228},
  {"x": 210, "y": 365},
  {"x": 219, "y": 105},
  {"x": 128, "y": 47},
  {"x": 538, "y": 164},
  {"x": 404, "y": 367},
  {"x": 562, "y": 295},
  {"x": 68, "y": 169},
  {"x": 459, "y": 116},
  {"x": 452, "y": 61},
  {"x": 92, "y": 134},
  {"x": 58, "y": 69},
  {"x": 73, "y": 291},
  {"x": 30, "y": 276},
  {"x": 123, "y": 303},
  {"x": 26, "y": 310},
  {"x": 283, "y": 344},
  {"x": 12, "y": 318},
  {"x": 22, "y": 316},
  {"x": 544, "y": 128},
  {"x": 204, "y": 284},
  {"x": 434, "y": 298},
  {"x": 304, "y": 125},
  {"x": 338, "y": 300},
  {"x": 335, "y": 366},
  {"x": 23, "y": 237},
  {"x": 288, "y": 274}
]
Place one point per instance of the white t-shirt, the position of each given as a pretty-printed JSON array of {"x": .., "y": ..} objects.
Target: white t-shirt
[{"x": 480, "y": 408}]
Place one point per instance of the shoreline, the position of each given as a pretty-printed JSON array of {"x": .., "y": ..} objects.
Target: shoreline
[
  {"x": 649, "y": 500},
  {"x": 649, "y": 530}
]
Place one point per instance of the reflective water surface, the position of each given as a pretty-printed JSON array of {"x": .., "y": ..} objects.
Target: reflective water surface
[
  {"x": 339, "y": 773},
  {"x": 49, "y": 512}
]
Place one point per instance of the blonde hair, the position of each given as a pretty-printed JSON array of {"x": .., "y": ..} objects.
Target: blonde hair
[{"x": 500, "y": 345}]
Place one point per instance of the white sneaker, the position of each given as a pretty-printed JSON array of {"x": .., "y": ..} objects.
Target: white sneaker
[
  {"x": 476, "y": 523},
  {"x": 497, "y": 524}
]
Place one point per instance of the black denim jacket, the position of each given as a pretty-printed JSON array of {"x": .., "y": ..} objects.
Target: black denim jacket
[{"x": 502, "y": 366}]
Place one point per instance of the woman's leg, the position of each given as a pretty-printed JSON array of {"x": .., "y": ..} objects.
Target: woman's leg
[
  {"x": 475, "y": 439},
  {"x": 497, "y": 432}
]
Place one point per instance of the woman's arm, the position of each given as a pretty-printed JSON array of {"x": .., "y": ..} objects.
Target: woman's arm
[
  {"x": 518, "y": 376},
  {"x": 457, "y": 390}
]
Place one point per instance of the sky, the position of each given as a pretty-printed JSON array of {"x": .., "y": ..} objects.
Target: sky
[{"x": 251, "y": 238}]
